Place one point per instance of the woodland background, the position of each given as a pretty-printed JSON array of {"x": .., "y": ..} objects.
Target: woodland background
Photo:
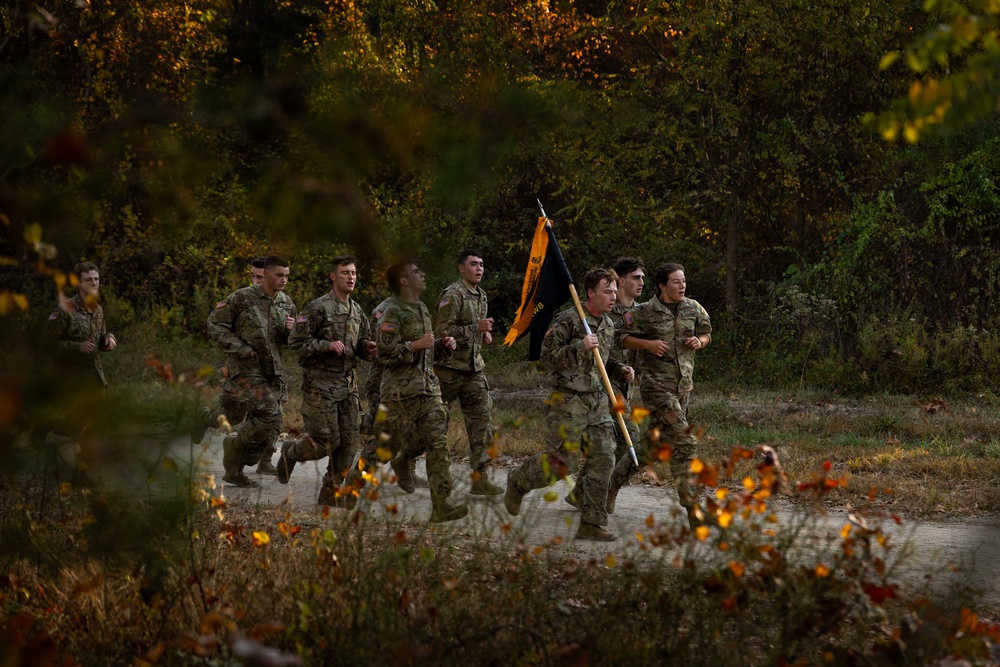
[{"x": 771, "y": 146}]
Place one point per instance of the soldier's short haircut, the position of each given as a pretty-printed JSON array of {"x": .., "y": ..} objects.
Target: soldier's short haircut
[
  {"x": 626, "y": 265},
  {"x": 272, "y": 261},
  {"x": 467, "y": 253},
  {"x": 395, "y": 273},
  {"x": 342, "y": 260},
  {"x": 258, "y": 262},
  {"x": 595, "y": 277},
  {"x": 663, "y": 272},
  {"x": 83, "y": 267}
]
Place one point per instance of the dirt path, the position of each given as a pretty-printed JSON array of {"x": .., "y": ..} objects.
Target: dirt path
[{"x": 936, "y": 553}]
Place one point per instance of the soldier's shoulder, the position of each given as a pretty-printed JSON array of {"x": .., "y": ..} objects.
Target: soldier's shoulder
[
  {"x": 450, "y": 294},
  {"x": 691, "y": 304},
  {"x": 242, "y": 295},
  {"x": 282, "y": 297}
]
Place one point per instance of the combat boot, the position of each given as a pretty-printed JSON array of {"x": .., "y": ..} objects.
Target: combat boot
[
  {"x": 589, "y": 531},
  {"x": 328, "y": 496},
  {"x": 445, "y": 511},
  {"x": 285, "y": 462},
  {"x": 482, "y": 486},
  {"x": 239, "y": 479},
  {"x": 418, "y": 481},
  {"x": 612, "y": 498},
  {"x": 571, "y": 499},
  {"x": 512, "y": 498},
  {"x": 264, "y": 466},
  {"x": 401, "y": 466}
]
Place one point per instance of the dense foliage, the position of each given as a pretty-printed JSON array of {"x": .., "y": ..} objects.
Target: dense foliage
[{"x": 171, "y": 142}]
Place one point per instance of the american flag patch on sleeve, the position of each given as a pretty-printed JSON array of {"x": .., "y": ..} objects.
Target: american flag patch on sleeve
[
  {"x": 301, "y": 319},
  {"x": 54, "y": 315},
  {"x": 444, "y": 302},
  {"x": 220, "y": 304},
  {"x": 629, "y": 319},
  {"x": 388, "y": 326}
]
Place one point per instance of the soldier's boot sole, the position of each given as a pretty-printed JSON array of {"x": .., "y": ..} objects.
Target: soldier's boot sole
[
  {"x": 447, "y": 512},
  {"x": 483, "y": 486},
  {"x": 512, "y": 499},
  {"x": 403, "y": 479},
  {"x": 589, "y": 531},
  {"x": 285, "y": 463},
  {"x": 418, "y": 481},
  {"x": 241, "y": 480}
]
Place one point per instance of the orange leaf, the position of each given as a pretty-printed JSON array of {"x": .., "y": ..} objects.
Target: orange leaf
[{"x": 638, "y": 414}]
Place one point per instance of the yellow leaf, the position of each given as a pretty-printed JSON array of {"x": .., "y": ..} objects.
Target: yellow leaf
[
  {"x": 551, "y": 496},
  {"x": 725, "y": 519},
  {"x": 697, "y": 465},
  {"x": 383, "y": 454},
  {"x": 639, "y": 536},
  {"x": 260, "y": 538},
  {"x": 749, "y": 484},
  {"x": 170, "y": 464},
  {"x": 701, "y": 532},
  {"x": 65, "y": 487},
  {"x": 205, "y": 371},
  {"x": 721, "y": 493},
  {"x": 33, "y": 234},
  {"x": 888, "y": 59},
  {"x": 650, "y": 521},
  {"x": 845, "y": 532},
  {"x": 822, "y": 570},
  {"x": 736, "y": 568},
  {"x": 609, "y": 561},
  {"x": 638, "y": 414},
  {"x": 21, "y": 301},
  {"x": 6, "y": 303}
]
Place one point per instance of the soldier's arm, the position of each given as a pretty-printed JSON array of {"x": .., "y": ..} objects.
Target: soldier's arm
[
  {"x": 221, "y": 326},
  {"x": 283, "y": 333},
  {"x": 449, "y": 307},
  {"x": 560, "y": 349},
  {"x": 59, "y": 322},
  {"x": 303, "y": 338},
  {"x": 703, "y": 325},
  {"x": 364, "y": 338},
  {"x": 391, "y": 348}
]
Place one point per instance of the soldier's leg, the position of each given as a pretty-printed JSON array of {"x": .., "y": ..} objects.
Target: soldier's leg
[
  {"x": 344, "y": 415},
  {"x": 597, "y": 466},
  {"x": 262, "y": 424},
  {"x": 621, "y": 450},
  {"x": 477, "y": 410},
  {"x": 431, "y": 426},
  {"x": 563, "y": 442},
  {"x": 676, "y": 431},
  {"x": 396, "y": 429},
  {"x": 318, "y": 439}
]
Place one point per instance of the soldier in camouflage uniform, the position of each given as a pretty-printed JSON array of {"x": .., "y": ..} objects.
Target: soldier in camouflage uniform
[
  {"x": 410, "y": 390},
  {"x": 231, "y": 403},
  {"x": 578, "y": 413},
  {"x": 79, "y": 327},
  {"x": 252, "y": 325},
  {"x": 329, "y": 334},
  {"x": 631, "y": 272},
  {"x": 667, "y": 331},
  {"x": 462, "y": 310},
  {"x": 405, "y": 463}
]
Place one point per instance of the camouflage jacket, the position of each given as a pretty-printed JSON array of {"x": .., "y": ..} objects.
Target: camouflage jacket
[
  {"x": 323, "y": 321},
  {"x": 250, "y": 319},
  {"x": 570, "y": 367},
  {"x": 406, "y": 373},
  {"x": 622, "y": 316},
  {"x": 74, "y": 324},
  {"x": 460, "y": 307},
  {"x": 373, "y": 383},
  {"x": 673, "y": 372}
]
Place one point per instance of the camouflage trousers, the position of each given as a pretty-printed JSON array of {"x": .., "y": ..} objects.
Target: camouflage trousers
[
  {"x": 473, "y": 394},
  {"x": 670, "y": 420},
  {"x": 576, "y": 425},
  {"x": 421, "y": 423},
  {"x": 331, "y": 415},
  {"x": 621, "y": 444},
  {"x": 233, "y": 404},
  {"x": 262, "y": 397}
]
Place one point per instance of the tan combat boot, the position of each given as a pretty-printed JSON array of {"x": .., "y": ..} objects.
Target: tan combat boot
[
  {"x": 482, "y": 486},
  {"x": 589, "y": 531},
  {"x": 401, "y": 466},
  {"x": 445, "y": 511},
  {"x": 612, "y": 498}
]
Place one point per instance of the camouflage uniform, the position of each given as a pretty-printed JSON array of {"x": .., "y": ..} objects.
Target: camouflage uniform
[
  {"x": 373, "y": 380},
  {"x": 248, "y": 319},
  {"x": 411, "y": 392},
  {"x": 76, "y": 324},
  {"x": 330, "y": 408},
  {"x": 666, "y": 384},
  {"x": 621, "y": 316},
  {"x": 460, "y": 307},
  {"x": 577, "y": 415}
]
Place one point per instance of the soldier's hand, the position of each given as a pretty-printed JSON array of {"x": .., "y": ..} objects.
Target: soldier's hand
[
  {"x": 449, "y": 343},
  {"x": 487, "y": 338},
  {"x": 694, "y": 342},
  {"x": 372, "y": 348},
  {"x": 658, "y": 348},
  {"x": 337, "y": 347},
  {"x": 248, "y": 353},
  {"x": 590, "y": 341},
  {"x": 110, "y": 343},
  {"x": 87, "y": 347},
  {"x": 425, "y": 342},
  {"x": 628, "y": 373},
  {"x": 289, "y": 322},
  {"x": 486, "y": 325}
]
